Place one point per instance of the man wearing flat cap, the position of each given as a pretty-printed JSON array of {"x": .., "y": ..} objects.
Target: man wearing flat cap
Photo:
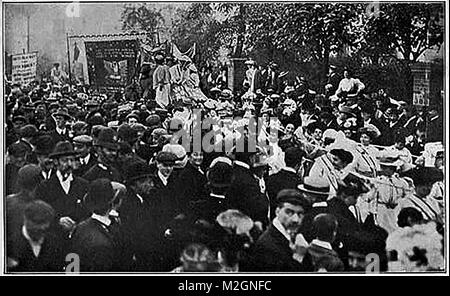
[
  {"x": 107, "y": 166},
  {"x": 60, "y": 133},
  {"x": 281, "y": 248},
  {"x": 83, "y": 146},
  {"x": 64, "y": 191}
]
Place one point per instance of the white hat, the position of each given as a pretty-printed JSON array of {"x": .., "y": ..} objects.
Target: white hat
[
  {"x": 315, "y": 185},
  {"x": 180, "y": 153},
  {"x": 330, "y": 133}
]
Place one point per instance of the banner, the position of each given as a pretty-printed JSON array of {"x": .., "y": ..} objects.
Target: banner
[
  {"x": 24, "y": 68},
  {"x": 87, "y": 52},
  {"x": 111, "y": 63}
]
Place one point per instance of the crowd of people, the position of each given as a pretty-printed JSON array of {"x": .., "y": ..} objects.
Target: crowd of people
[{"x": 334, "y": 175}]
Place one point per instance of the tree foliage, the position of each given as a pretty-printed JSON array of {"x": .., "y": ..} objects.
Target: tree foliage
[
  {"x": 404, "y": 28},
  {"x": 140, "y": 17}
]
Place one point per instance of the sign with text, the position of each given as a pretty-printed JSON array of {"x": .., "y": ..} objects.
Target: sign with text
[
  {"x": 24, "y": 68},
  {"x": 111, "y": 63}
]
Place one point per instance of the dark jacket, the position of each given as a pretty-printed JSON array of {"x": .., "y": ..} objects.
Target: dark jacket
[
  {"x": 15, "y": 208},
  {"x": 272, "y": 253},
  {"x": 64, "y": 204},
  {"x": 101, "y": 170},
  {"x": 189, "y": 186},
  {"x": 245, "y": 195},
  {"x": 276, "y": 182},
  {"x": 86, "y": 167},
  {"x": 324, "y": 258},
  {"x": 50, "y": 258},
  {"x": 11, "y": 174},
  {"x": 99, "y": 246},
  {"x": 363, "y": 238},
  {"x": 140, "y": 220}
]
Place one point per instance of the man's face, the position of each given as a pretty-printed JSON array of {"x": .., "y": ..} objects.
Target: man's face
[
  {"x": 81, "y": 149},
  {"x": 342, "y": 116},
  {"x": 196, "y": 158},
  {"x": 109, "y": 154},
  {"x": 65, "y": 164},
  {"x": 132, "y": 121},
  {"x": 337, "y": 162},
  {"x": 420, "y": 136},
  {"x": 17, "y": 125},
  {"x": 400, "y": 145},
  {"x": 60, "y": 121},
  {"x": 393, "y": 117},
  {"x": 45, "y": 162},
  {"x": 365, "y": 139},
  {"x": 423, "y": 190},
  {"x": 19, "y": 160},
  {"x": 36, "y": 231},
  {"x": 165, "y": 169},
  {"x": 289, "y": 129},
  {"x": 317, "y": 134},
  {"x": 350, "y": 200},
  {"x": 143, "y": 186},
  {"x": 290, "y": 216},
  {"x": 366, "y": 116}
]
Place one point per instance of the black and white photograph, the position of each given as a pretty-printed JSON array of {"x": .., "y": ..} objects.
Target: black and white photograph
[{"x": 221, "y": 138}]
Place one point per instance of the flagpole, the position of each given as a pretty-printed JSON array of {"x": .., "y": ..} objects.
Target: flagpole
[{"x": 68, "y": 58}]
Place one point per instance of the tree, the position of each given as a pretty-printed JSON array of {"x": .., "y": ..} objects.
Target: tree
[
  {"x": 400, "y": 34},
  {"x": 311, "y": 31},
  {"x": 139, "y": 17}
]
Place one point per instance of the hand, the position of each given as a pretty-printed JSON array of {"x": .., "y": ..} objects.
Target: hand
[
  {"x": 11, "y": 263},
  {"x": 67, "y": 223},
  {"x": 300, "y": 246}
]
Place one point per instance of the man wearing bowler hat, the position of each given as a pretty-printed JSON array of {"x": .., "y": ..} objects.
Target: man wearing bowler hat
[
  {"x": 44, "y": 147},
  {"x": 281, "y": 248},
  {"x": 107, "y": 157},
  {"x": 64, "y": 191},
  {"x": 99, "y": 241},
  {"x": 140, "y": 212}
]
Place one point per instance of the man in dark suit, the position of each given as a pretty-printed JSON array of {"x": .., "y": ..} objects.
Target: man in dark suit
[
  {"x": 281, "y": 248},
  {"x": 323, "y": 256},
  {"x": 286, "y": 178},
  {"x": 220, "y": 177},
  {"x": 45, "y": 146},
  {"x": 63, "y": 191},
  {"x": 28, "y": 179},
  {"x": 191, "y": 181},
  {"x": 139, "y": 213},
  {"x": 246, "y": 193},
  {"x": 107, "y": 157},
  {"x": 83, "y": 146},
  {"x": 17, "y": 154},
  {"x": 363, "y": 238},
  {"x": 168, "y": 208},
  {"x": 33, "y": 247},
  {"x": 99, "y": 240},
  {"x": 60, "y": 133}
]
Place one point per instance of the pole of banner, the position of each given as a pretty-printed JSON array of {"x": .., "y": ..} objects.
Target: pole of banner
[
  {"x": 28, "y": 33},
  {"x": 68, "y": 59}
]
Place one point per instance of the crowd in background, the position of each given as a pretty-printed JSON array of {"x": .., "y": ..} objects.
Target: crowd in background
[{"x": 337, "y": 174}]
